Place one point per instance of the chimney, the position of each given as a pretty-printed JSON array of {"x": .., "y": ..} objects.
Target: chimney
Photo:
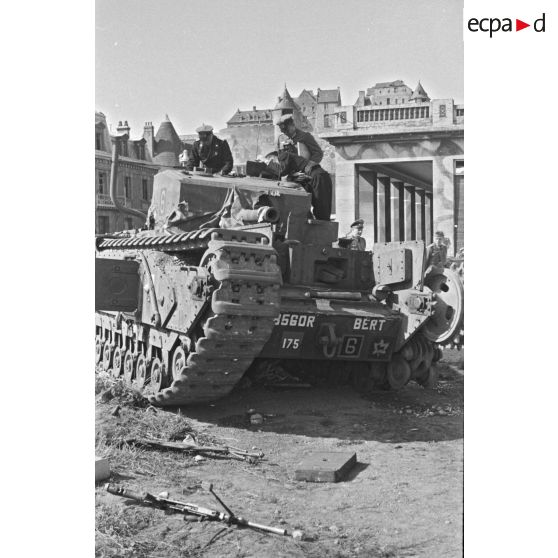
[
  {"x": 361, "y": 99},
  {"x": 254, "y": 108},
  {"x": 149, "y": 136},
  {"x": 123, "y": 128}
]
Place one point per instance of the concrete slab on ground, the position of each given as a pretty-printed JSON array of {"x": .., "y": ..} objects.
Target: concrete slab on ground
[{"x": 325, "y": 466}]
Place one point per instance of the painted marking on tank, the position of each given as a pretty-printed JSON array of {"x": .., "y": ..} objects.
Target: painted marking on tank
[
  {"x": 380, "y": 348},
  {"x": 300, "y": 320},
  {"x": 370, "y": 324}
]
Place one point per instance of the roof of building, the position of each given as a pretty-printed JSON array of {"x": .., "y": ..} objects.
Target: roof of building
[
  {"x": 396, "y": 83},
  {"x": 329, "y": 95},
  {"x": 308, "y": 92},
  {"x": 245, "y": 116},
  {"x": 419, "y": 93},
  {"x": 167, "y": 144},
  {"x": 286, "y": 101}
]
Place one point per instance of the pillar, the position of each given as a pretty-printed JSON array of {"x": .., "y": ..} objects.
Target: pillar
[
  {"x": 383, "y": 208},
  {"x": 428, "y": 234},
  {"x": 409, "y": 212},
  {"x": 419, "y": 213},
  {"x": 366, "y": 208},
  {"x": 396, "y": 211},
  {"x": 345, "y": 179}
]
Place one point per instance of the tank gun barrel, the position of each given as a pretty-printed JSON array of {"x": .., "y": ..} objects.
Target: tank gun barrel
[{"x": 114, "y": 181}]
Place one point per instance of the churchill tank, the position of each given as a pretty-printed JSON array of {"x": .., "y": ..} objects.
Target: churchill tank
[{"x": 231, "y": 272}]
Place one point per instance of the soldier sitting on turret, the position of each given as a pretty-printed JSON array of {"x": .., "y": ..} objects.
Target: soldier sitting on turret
[
  {"x": 309, "y": 174},
  {"x": 307, "y": 146},
  {"x": 214, "y": 153}
]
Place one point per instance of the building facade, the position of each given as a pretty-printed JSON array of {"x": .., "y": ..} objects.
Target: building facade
[
  {"x": 400, "y": 164},
  {"x": 139, "y": 160},
  {"x": 251, "y": 133}
]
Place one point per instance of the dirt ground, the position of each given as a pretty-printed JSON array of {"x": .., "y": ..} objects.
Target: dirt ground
[{"x": 404, "y": 498}]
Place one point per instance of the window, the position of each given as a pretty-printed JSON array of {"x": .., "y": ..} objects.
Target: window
[
  {"x": 326, "y": 121},
  {"x": 98, "y": 141},
  {"x": 387, "y": 101},
  {"x": 141, "y": 151},
  {"x": 102, "y": 224},
  {"x": 144, "y": 189},
  {"x": 343, "y": 117},
  {"x": 124, "y": 148},
  {"x": 442, "y": 111},
  {"x": 102, "y": 183},
  {"x": 127, "y": 187},
  {"x": 396, "y": 101}
]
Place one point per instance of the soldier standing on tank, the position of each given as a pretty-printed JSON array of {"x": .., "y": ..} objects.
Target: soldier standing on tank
[
  {"x": 313, "y": 178},
  {"x": 312, "y": 152},
  {"x": 437, "y": 252},
  {"x": 214, "y": 153},
  {"x": 355, "y": 235}
]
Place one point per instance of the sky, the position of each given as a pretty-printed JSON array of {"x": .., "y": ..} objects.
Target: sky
[{"x": 199, "y": 61}]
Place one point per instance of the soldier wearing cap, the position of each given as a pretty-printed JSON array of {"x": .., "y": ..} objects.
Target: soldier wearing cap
[
  {"x": 212, "y": 152},
  {"x": 308, "y": 146},
  {"x": 437, "y": 252},
  {"x": 355, "y": 235},
  {"x": 314, "y": 179}
]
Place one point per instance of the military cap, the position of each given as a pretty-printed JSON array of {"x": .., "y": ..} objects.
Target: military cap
[
  {"x": 284, "y": 119},
  {"x": 358, "y": 223},
  {"x": 439, "y": 233},
  {"x": 204, "y": 128}
]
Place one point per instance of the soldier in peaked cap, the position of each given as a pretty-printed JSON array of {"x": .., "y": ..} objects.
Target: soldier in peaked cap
[
  {"x": 355, "y": 235},
  {"x": 315, "y": 180},
  {"x": 309, "y": 148},
  {"x": 214, "y": 153}
]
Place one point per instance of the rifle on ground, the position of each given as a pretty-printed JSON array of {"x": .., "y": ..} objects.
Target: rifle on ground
[{"x": 192, "y": 509}]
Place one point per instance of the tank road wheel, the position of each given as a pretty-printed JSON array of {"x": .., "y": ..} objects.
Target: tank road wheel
[
  {"x": 178, "y": 362},
  {"x": 108, "y": 351},
  {"x": 141, "y": 376},
  {"x": 428, "y": 378},
  {"x": 129, "y": 366},
  {"x": 398, "y": 372},
  {"x": 98, "y": 350},
  {"x": 117, "y": 362},
  {"x": 157, "y": 381}
]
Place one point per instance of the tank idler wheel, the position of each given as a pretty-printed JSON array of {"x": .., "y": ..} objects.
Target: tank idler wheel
[
  {"x": 129, "y": 366},
  {"x": 398, "y": 372},
  {"x": 362, "y": 378},
  {"x": 429, "y": 377},
  {"x": 98, "y": 350},
  {"x": 108, "y": 351},
  {"x": 117, "y": 362},
  {"x": 141, "y": 377},
  {"x": 157, "y": 376},
  {"x": 178, "y": 362}
]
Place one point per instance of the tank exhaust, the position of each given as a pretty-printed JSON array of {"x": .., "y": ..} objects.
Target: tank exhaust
[{"x": 114, "y": 181}]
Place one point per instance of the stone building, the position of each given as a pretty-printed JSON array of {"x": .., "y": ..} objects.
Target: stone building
[
  {"x": 139, "y": 161},
  {"x": 251, "y": 133},
  {"x": 399, "y": 164}
]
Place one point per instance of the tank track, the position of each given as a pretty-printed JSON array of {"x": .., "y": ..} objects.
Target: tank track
[{"x": 236, "y": 324}]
